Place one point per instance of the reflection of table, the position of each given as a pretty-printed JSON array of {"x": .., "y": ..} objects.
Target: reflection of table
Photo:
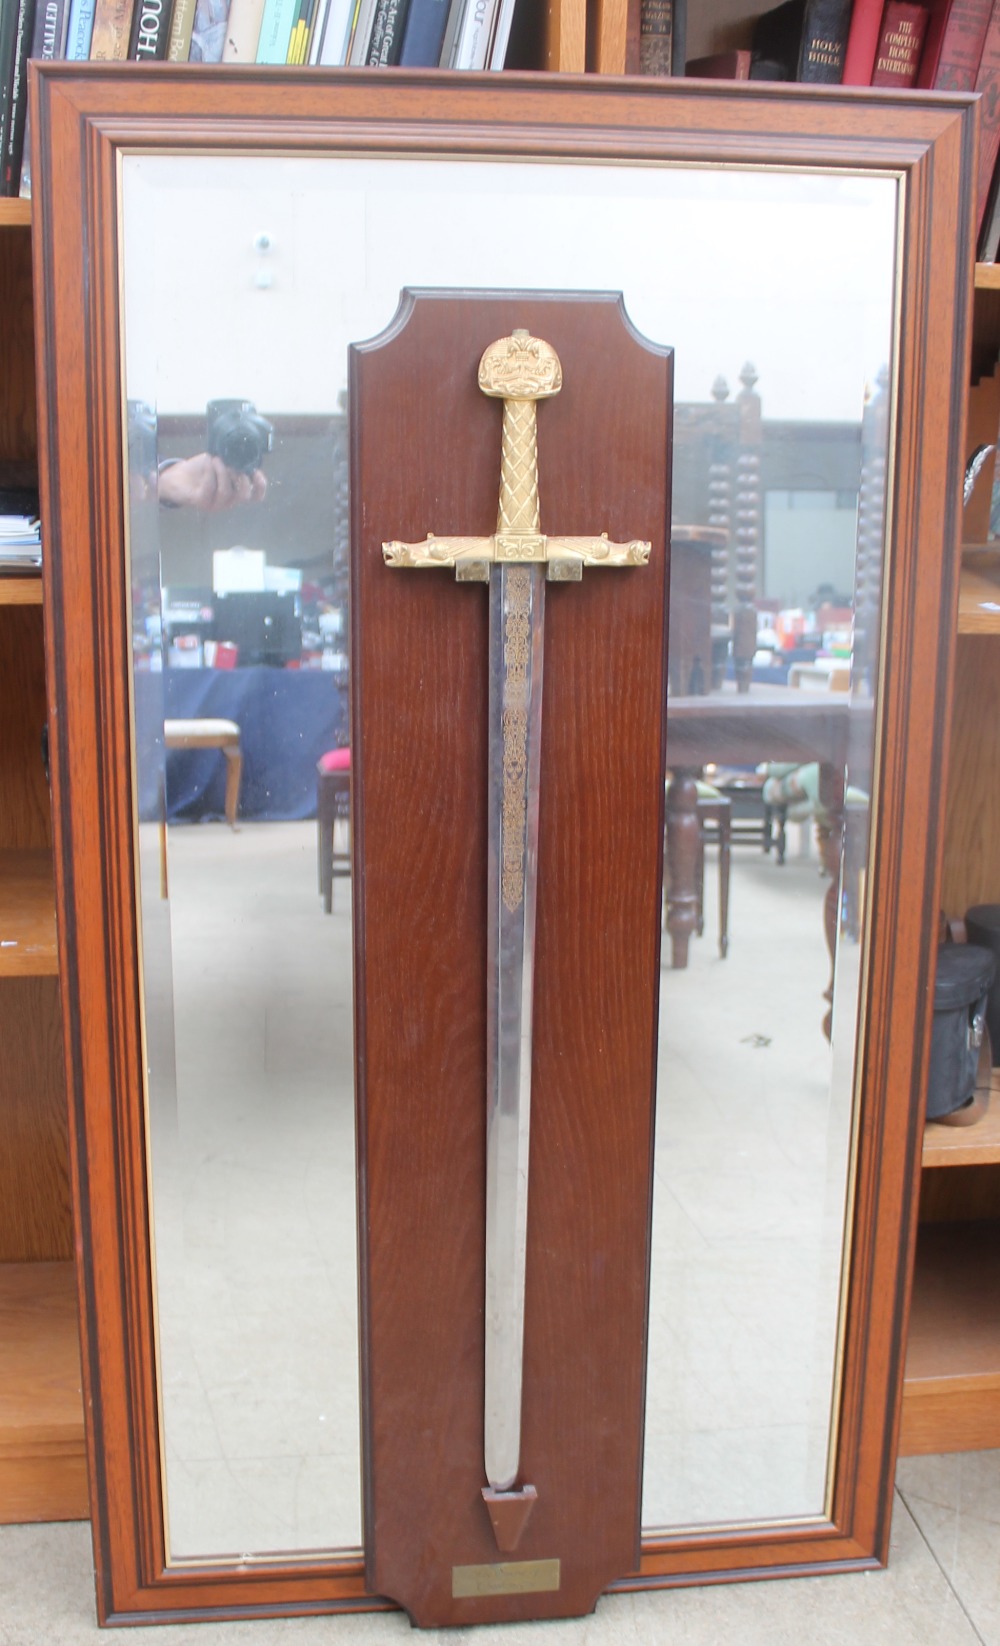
[
  {"x": 287, "y": 719},
  {"x": 769, "y": 723}
]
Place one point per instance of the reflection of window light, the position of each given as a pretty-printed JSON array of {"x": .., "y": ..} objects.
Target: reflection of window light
[{"x": 812, "y": 500}]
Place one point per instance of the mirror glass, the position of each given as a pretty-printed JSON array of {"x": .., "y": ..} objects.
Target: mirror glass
[{"x": 245, "y": 279}]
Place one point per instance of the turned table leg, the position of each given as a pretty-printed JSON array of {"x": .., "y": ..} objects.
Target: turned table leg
[
  {"x": 830, "y": 834},
  {"x": 683, "y": 836}
]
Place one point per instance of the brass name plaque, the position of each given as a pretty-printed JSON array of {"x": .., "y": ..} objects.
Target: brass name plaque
[{"x": 506, "y": 1577}]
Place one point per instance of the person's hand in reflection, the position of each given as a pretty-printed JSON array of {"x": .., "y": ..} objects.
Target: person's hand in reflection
[{"x": 204, "y": 482}]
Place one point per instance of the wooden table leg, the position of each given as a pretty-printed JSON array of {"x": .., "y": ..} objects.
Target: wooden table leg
[
  {"x": 683, "y": 835},
  {"x": 830, "y": 834},
  {"x": 234, "y": 770}
]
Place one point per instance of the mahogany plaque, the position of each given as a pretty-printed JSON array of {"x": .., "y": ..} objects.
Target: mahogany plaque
[{"x": 426, "y": 458}]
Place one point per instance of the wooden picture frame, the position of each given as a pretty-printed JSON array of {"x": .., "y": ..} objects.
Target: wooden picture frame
[{"x": 83, "y": 121}]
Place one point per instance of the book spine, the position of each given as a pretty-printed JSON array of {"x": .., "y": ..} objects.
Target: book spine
[
  {"x": 720, "y": 65},
  {"x": 319, "y": 24},
  {"x": 150, "y": 31},
  {"x": 655, "y": 36},
  {"x": 501, "y": 33},
  {"x": 333, "y": 45},
  {"x": 243, "y": 31},
  {"x": 363, "y": 20},
  {"x": 181, "y": 27},
  {"x": 472, "y": 45},
  {"x": 208, "y": 32},
  {"x": 824, "y": 41},
  {"x": 79, "y": 31},
  {"x": 456, "y": 12},
  {"x": 423, "y": 35},
  {"x": 301, "y": 35},
  {"x": 988, "y": 86},
  {"x": 48, "y": 43},
  {"x": 387, "y": 33},
  {"x": 954, "y": 45},
  {"x": 112, "y": 28},
  {"x": 23, "y": 33},
  {"x": 862, "y": 42},
  {"x": 897, "y": 59},
  {"x": 276, "y": 31}
]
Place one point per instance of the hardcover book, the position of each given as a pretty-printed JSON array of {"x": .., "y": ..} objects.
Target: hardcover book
[
  {"x": 48, "y": 42},
  {"x": 301, "y": 36},
  {"x": 988, "y": 86},
  {"x": 655, "y": 36},
  {"x": 112, "y": 28},
  {"x": 275, "y": 30},
  {"x": 364, "y": 17},
  {"x": 386, "y": 40},
  {"x": 423, "y": 35},
  {"x": 79, "y": 30},
  {"x": 804, "y": 40},
  {"x": 720, "y": 65},
  {"x": 897, "y": 58},
  {"x": 150, "y": 31},
  {"x": 862, "y": 42},
  {"x": 331, "y": 40},
  {"x": 956, "y": 34},
  {"x": 17, "y": 92},
  {"x": 208, "y": 32},
  {"x": 243, "y": 31},
  {"x": 472, "y": 41},
  {"x": 181, "y": 26}
]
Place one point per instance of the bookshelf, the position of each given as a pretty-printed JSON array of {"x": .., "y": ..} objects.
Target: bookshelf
[
  {"x": 42, "y": 1459},
  {"x": 951, "y": 1394}
]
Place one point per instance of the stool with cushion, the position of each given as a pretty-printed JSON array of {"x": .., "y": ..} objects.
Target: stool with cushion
[
  {"x": 333, "y": 806},
  {"x": 212, "y": 734}
]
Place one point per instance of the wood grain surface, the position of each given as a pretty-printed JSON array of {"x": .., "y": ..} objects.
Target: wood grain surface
[{"x": 420, "y": 650}]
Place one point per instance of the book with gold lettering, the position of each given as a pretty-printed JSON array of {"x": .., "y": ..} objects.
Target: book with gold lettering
[
  {"x": 953, "y": 48},
  {"x": 897, "y": 57},
  {"x": 801, "y": 40}
]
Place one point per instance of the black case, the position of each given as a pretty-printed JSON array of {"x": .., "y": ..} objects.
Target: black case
[{"x": 961, "y": 988}]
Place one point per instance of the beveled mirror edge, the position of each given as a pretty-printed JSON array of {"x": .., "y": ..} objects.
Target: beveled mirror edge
[{"x": 84, "y": 118}]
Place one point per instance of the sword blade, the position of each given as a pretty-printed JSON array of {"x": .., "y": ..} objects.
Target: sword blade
[{"x": 517, "y": 600}]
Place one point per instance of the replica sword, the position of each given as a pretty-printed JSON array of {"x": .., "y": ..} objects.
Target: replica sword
[{"x": 520, "y": 370}]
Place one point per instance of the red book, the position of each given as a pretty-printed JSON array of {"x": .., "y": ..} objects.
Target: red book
[
  {"x": 721, "y": 65},
  {"x": 954, "y": 44},
  {"x": 862, "y": 42},
  {"x": 897, "y": 59},
  {"x": 988, "y": 84}
]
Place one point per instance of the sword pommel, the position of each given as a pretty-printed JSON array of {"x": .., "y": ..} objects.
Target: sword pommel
[{"x": 520, "y": 367}]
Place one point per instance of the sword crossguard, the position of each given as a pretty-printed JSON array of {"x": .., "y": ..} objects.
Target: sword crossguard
[{"x": 520, "y": 370}]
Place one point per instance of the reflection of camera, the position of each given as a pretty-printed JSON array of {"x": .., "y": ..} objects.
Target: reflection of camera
[{"x": 238, "y": 434}]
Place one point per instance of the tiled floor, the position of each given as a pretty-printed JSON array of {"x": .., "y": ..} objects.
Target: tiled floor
[{"x": 941, "y": 1588}]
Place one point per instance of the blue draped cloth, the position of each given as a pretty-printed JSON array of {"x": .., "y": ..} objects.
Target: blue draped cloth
[{"x": 287, "y": 719}]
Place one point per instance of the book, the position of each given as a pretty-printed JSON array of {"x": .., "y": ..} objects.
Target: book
[
  {"x": 501, "y": 33},
  {"x": 953, "y": 47},
  {"x": 79, "y": 30},
  {"x": 364, "y": 17},
  {"x": 208, "y": 31},
  {"x": 897, "y": 57},
  {"x": 112, "y": 28},
  {"x": 862, "y": 42},
  {"x": 301, "y": 36},
  {"x": 423, "y": 34},
  {"x": 456, "y": 12},
  {"x": 181, "y": 27},
  {"x": 720, "y": 65},
  {"x": 150, "y": 31},
  {"x": 472, "y": 39},
  {"x": 276, "y": 30},
  {"x": 17, "y": 91},
  {"x": 386, "y": 39},
  {"x": 988, "y": 86},
  {"x": 332, "y": 37},
  {"x": 655, "y": 36},
  {"x": 243, "y": 31},
  {"x": 801, "y": 40},
  {"x": 48, "y": 43}
]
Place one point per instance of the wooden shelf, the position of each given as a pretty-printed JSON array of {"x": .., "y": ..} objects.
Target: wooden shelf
[
  {"x": 27, "y": 914},
  {"x": 21, "y": 589},
  {"x": 975, "y": 1145},
  {"x": 14, "y": 213},
  {"x": 979, "y": 591},
  {"x": 43, "y": 1463},
  {"x": 951, "y": 1392},
  {"x": 988, "y": 276}
]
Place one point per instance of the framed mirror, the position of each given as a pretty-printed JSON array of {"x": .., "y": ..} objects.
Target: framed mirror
[{"x": 210, "y": 248}]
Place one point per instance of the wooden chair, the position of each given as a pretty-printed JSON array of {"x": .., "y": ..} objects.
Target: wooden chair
[
  {"x": 333, "y": 806},
  {"x": 212, "y": 734}
]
